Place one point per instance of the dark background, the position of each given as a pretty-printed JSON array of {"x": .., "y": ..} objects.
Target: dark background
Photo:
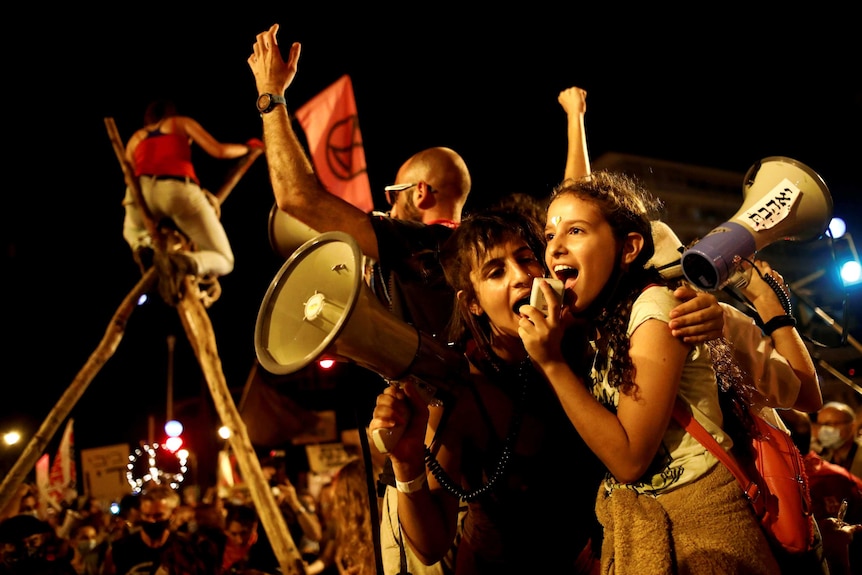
[{"x": 720, "y": 90}]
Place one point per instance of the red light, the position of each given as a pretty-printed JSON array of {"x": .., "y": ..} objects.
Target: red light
[
  {"x": 326, "y": 363},
  {"x": 174, "y": 443}
]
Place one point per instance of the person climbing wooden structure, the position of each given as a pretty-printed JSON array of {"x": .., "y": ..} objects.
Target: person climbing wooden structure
[{"x": 191, "y": 296}]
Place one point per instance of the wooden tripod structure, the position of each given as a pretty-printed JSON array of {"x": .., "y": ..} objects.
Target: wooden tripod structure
[{"x": 190, "y": 304}]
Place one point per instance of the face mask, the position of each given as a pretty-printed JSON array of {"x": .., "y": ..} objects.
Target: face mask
[
  {"x": 33, "y": 551},
  {"x": 154, "y": 529},
  {"x": 830, "y": 437},
  {"x": 86, "y": 546},
  {"x": 12, "y": 557}
]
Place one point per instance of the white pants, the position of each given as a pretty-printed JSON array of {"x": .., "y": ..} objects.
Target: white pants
[
  {"x": 186, "y": 204},
  {"x": 390, "y": 538}
]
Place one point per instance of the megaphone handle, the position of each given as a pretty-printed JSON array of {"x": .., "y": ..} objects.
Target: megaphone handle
[
  {"x": 741, "y": 279},
  {"x": 386, "y": 439}
]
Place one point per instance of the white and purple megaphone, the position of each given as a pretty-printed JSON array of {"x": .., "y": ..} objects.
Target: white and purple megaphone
[{"x": 783, "y": 200}]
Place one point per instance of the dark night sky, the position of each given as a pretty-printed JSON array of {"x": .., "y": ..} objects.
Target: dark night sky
[{"x": 722, "y": 91}]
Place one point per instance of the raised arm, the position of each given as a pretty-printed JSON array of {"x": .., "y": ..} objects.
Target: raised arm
[
  {"x": 307, "y": 520},
  {"x": 574, "y": 102},
  {"x": 699, "y": 317},
  {"x": 296, "y": 187}
]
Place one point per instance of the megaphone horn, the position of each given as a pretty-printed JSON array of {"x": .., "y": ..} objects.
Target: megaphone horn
[
  {"x": 286, "y": 233},
  {"x": 783, "y": 199},
  {"x": 319, "y": 305}
]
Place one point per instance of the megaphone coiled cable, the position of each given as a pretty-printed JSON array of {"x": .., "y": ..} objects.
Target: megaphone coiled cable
[{"x": 505, "y": 453}]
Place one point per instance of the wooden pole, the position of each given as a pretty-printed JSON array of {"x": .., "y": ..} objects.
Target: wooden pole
[
  {"x": 236, "y": 173},
  {"x": 199, "y": 330},
  {"x": 169, "y": 408},
  {"x": 132, "y": 181},
  {"x": 105, "y": 350},
  {"x": 200, "y": 333}
]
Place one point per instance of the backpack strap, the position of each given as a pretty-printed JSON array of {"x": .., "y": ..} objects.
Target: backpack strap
[{"x": 684, "y": 417}]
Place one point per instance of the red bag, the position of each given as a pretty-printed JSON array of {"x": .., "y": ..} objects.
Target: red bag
[
  {"x": 784, "y": 505},
  {"x": 775, "y": 483}
]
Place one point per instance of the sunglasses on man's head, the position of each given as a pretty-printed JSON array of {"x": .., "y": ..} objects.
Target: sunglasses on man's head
[{"x": 395, "y": 189}]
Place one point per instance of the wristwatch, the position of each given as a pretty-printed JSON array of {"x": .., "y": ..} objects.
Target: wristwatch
[{"x": 266, "y": 102}]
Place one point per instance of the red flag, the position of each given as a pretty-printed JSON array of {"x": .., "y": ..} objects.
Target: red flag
[
  {"x": 43, "y": 482},
  {"x": 331, "y": 127},
  {"x": 63, "y": 474}
]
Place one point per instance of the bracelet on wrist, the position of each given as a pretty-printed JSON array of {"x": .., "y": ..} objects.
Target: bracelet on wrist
[
  {"x": 777, "y": 322},
  {"x": 413, "y": 485}
]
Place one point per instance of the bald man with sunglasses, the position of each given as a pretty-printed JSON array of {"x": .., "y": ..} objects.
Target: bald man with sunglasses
[{"x": 426, "y": 202}]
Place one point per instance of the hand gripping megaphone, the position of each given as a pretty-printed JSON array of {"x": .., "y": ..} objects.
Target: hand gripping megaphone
[
  {"x": 783, "y": 200},
  {"x": 318, "y": 305}
]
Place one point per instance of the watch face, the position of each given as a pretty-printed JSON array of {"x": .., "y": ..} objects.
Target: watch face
[{"x": 264, "y": 102}]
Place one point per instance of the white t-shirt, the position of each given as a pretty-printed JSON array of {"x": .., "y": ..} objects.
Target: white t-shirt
[{"x": 680, "y": 458}]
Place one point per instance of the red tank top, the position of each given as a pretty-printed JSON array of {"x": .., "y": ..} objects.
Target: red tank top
[{"x": 164, "y": 155}]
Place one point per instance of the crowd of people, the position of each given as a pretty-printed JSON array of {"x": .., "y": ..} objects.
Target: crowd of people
[
  {"x": 559, "y": 453},
  {"x": 161, "y": 531}
]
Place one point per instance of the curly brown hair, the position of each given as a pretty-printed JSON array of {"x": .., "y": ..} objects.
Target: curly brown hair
[{"x": 628, "y": 208}]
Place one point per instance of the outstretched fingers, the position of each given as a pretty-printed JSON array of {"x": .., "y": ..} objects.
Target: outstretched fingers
[{"x": 263, "y": 44}]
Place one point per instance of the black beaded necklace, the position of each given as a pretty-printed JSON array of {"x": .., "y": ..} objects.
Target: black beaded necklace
[{"x": 525, "y": 369}]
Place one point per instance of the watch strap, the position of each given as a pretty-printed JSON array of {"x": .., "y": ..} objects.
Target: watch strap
[{"x": 274, "y": 100}]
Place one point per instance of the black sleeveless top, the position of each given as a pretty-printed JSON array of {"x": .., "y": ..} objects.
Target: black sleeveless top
[{"x": 540, "y": 514}]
